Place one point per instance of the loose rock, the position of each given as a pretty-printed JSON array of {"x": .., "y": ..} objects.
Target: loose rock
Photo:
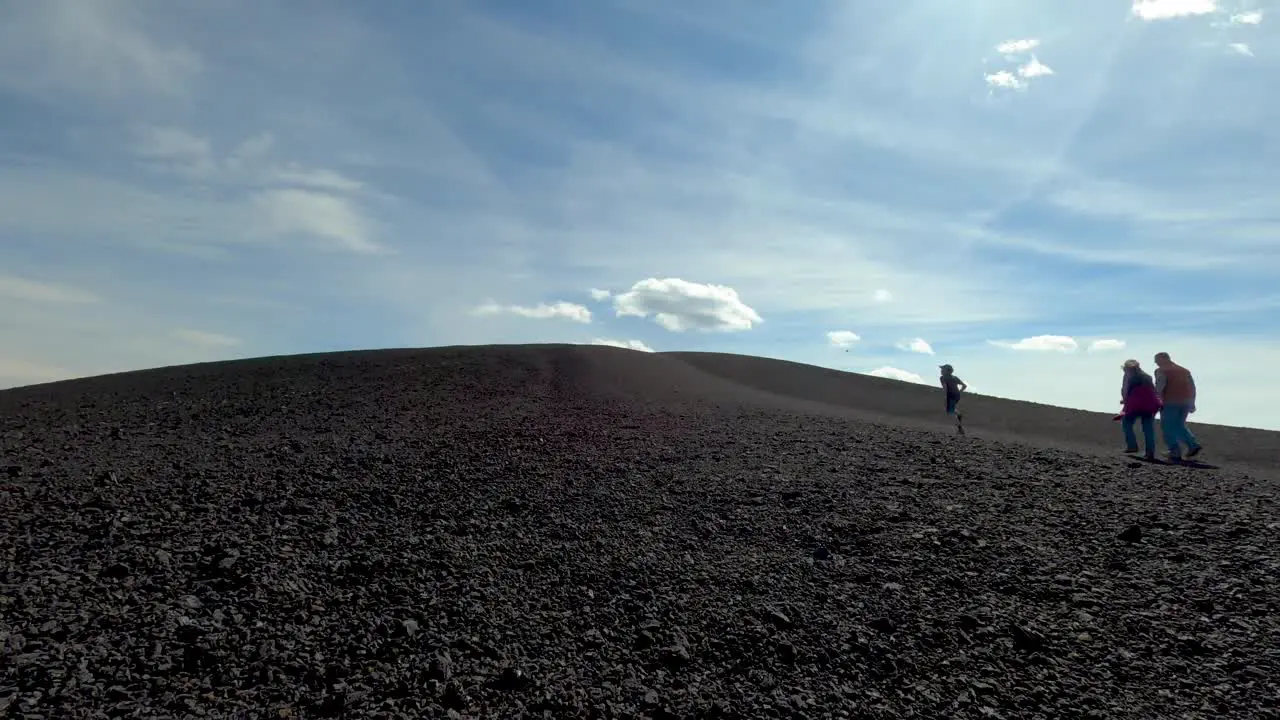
[{"x": 554, "y": 531}]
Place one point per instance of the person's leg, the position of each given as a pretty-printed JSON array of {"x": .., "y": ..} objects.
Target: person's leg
[
  {"x": 1149, "y": 435},
  {"x": 1130, "y": 439},
  {"x": 1189, "y": 438},
  {"x": 1172, "y": 423},
  {"x": 953, "y": 410}
]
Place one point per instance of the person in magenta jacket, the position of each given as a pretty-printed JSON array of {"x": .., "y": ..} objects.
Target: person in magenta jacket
[{"x": 1140, "y": 401}]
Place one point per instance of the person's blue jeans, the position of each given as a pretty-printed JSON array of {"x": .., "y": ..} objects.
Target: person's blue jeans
[
  {"x": 1173, "y": 424},
  {"x": 1148, "y": 432}
]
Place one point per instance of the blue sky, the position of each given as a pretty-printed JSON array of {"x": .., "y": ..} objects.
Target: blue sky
[{"x": 1033, "y": 191}]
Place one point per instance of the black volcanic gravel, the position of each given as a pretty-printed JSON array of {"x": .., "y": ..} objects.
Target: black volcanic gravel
[{"x": 568, "y": 532}]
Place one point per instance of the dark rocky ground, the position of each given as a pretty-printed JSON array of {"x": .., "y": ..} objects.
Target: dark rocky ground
[{"x": 589, "y": 532}]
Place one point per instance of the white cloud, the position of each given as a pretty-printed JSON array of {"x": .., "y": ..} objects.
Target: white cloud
[
  {"x": 1029, "y": 70},
  {"x": 625, "y": 344},
  {"x": 1004, "y": 79},
  {"x": 894, "y": 373},
  {"x": 1252, "y": 17},
  {"x": 882, "y": 296},
  {"x": 680, "y": 305},
  {"x": 1168, "y": 9},
  {"x": 842, "y": 338},
  {"x": 23, "y": 289},
  {"x": 1105, "y": 344},
  {"x": 917, "y": 345},
  {"x": 1041, "y": 343},
  {"x": 1014, "y": 47},
  {"x": 1241, "y": 49},
  {"x": 1034, "y": 68},
  {"x": 598, "y": 294},
  {"x": 204, "y": 339},
  {"x": 542, "y": 311},
  {"x": 309, "y": 213}
]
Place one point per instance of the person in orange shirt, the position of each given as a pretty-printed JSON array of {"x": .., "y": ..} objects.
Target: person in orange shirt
[{"x": 1177, "y": 390}]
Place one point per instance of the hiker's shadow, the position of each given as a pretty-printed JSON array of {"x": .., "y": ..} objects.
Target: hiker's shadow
[{"x": 1193, "y": 464}]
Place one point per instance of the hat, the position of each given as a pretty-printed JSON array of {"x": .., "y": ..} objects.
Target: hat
[{"x": 946, "y": 367}]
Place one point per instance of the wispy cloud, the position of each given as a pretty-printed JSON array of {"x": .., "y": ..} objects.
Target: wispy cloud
[
  {"x": 316, "y": 178},
  {"x": 23, "y": 289},
  {"x": 365, "y": 174},
  {"x": 175, "y": 148},
  {"x": 204, "y": 338},
  {"x": 15, "y": 371},
  {"x": 295, "y": 212},
  {"x": 98, "y": 49},
  {"x": 542, "y": 311}
]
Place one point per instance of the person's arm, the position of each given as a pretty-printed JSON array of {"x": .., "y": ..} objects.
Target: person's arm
[
  {"x": 1161, "y": 381},
  {"x": 1192, "y": 383},
  {"x": 961, "y": 385},
  {"x": 1124, "y": 387}
]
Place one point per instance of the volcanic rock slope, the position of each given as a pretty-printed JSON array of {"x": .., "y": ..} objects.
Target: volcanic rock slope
[{"x": 580, "y": 532}]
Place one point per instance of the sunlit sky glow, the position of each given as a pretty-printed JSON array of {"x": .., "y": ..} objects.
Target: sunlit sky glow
[{"x": 1032, "y": 191}]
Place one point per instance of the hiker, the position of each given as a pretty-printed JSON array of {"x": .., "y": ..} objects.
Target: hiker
[
  {"x": 953, "y": 386},
  {"x": 1140, "y": 401},
  {"x": 1177, "y": 390}
]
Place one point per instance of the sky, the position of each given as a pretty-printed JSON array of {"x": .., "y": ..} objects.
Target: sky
[{"x": 1031, "y": 190}]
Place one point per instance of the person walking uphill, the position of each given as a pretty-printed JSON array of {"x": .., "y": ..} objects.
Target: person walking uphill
[
  {"x": 1140, "y": 401},
  {"x": 1177, "y": 389},
  {"x": 953, "y": 385}
]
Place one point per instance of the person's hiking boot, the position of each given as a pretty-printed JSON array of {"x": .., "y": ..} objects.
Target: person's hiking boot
[
  {"x": 1131, "y": 451},
  {"x": 1150, "y": 455},
  {"x": 1192, "y": 452}
]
